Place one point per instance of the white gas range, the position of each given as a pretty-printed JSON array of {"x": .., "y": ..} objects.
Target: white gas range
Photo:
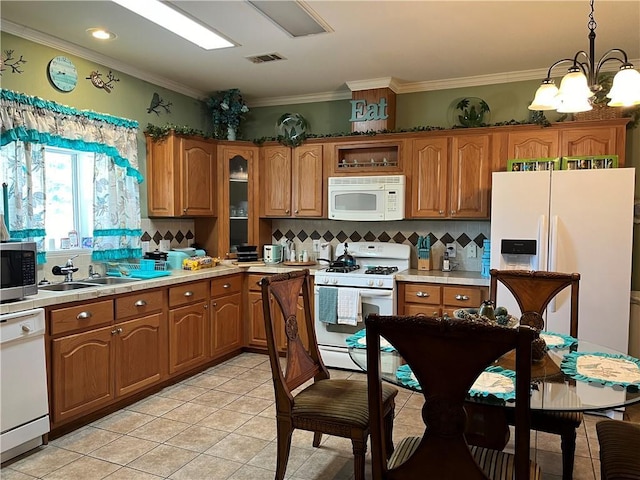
[{"x": 369, "y": 269}]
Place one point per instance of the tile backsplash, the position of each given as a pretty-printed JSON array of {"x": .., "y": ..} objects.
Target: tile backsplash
[
  {"x": 180, "y": 233},
  {"x": 462, "y": 233}
]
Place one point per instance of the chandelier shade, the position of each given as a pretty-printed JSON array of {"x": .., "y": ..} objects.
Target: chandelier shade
[{"x": 579, "y": 86}]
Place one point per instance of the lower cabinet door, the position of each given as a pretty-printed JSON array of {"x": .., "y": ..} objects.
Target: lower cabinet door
[
  {"x": 138, "y": 353},
  {"x": 226, "y": 321},
  {"x": 257, "y": 335},
  {"x": 187, "y": 336},
  {"x": 82, "y": 379}
]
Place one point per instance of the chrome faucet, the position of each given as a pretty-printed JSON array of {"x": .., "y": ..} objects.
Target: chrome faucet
[{"x": 67, "y": 270}]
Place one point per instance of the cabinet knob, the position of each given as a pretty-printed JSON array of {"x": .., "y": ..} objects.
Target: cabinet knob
[
  {"x": 188, "y": 294},
  {"x": 140, "y": 303},
  {"x": 226, "y": 285},
  {"x": 206, "y": 307},
  {"x": 453, "y": 212},
  {"x": 295, "y": 211},
  {"x": 441, "y": 212},
  {"x": 115, "y": 331},
  {"x": 287, "y": 211},
  {"x": 422, "y": 294},
  {"x": 83, "y": 316},
  {"x": 184, "y": 210},
  {"x": 215, "y": 304},
  {"x": 435, "y": 314},
  {"x": 462, "y": 297}
]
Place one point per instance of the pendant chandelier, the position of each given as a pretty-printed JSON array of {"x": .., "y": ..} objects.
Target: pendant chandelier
[{"x": 580, "y": 84}]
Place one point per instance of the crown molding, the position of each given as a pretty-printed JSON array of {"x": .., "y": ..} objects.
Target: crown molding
[
  {"x": 384, "y": 82},
  {"x": 67, "y": 47}
]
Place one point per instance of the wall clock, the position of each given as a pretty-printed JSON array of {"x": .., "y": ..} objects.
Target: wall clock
[{"x": 62, "y": 74}]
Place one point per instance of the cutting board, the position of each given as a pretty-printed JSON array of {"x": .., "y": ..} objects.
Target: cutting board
[{"x": 249, "y": 264}]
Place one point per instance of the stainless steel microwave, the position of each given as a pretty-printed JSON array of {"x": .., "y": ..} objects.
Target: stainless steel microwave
[
  {"x": 373, "y": 198},
  {"x": 18, "y": 270}
]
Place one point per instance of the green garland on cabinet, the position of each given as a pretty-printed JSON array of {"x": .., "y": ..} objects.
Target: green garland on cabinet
[{"x": 158, "y": 133}]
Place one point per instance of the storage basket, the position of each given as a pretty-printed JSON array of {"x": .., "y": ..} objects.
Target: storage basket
[
  {"x": 143, "y": 269},
  {"x": 600, "y": 111}
]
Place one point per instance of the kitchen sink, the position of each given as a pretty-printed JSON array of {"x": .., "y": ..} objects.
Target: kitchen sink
[
  {"x": 110, "y": 280},
  {"x": 66, "y": 286}
]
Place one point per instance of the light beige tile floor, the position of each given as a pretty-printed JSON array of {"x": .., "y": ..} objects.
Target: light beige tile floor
[{"x": 220, "y": 424}]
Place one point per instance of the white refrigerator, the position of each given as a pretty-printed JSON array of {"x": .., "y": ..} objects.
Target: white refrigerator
[{"x": 581, "y": 221}]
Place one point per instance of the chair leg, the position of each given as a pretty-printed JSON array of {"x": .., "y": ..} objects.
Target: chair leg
[
  {"x": 568, "y": 446},
  {"x": 388, "y": 426},
  {"x": 284, "y": 433},
  {"x": 359, "y": 452},
  {"x": 317, "y": 438}
]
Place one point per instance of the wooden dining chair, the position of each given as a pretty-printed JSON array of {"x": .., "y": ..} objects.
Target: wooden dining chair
[
  {"x": 332, "y": 406},
  {"x": 446, "y": 356},
  {"x": 533, "y": 290},
  {"x": 619, "y": 450}
]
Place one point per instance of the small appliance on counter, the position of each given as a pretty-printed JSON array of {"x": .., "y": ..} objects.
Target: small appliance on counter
[
  {"x": 247, "y": 253},
  {"x": 176, "y": 256},
  {"x": 272, "y": 253}
]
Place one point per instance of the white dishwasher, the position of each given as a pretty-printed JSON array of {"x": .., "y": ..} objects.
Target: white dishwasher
[{"x": 24, "y": 403}]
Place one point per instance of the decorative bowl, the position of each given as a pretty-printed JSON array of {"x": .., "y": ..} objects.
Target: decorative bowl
[{"x": 472, "y": 313}]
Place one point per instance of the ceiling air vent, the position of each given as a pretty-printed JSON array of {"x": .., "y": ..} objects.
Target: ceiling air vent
[{"x": 267, "y": 57}]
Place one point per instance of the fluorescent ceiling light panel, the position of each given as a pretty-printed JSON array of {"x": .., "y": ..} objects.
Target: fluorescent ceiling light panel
[
  {"x": 161, "y": 14},
  {"x": 294, "y": 17}
]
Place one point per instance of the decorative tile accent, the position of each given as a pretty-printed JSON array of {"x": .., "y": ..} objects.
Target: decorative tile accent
[
  {"x": 405, "y": 232},
  {"x": 464, "y": 240}
]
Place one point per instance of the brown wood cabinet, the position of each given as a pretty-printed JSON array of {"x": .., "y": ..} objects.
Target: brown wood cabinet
[
  {"x": 450, "y": 177},
  {"x": 90, "y": 369},
  {"x": 291, "y": 181},
  {"x": 180, "y": 177},
  {"x": 226, "y": 315},
  {"x": 595, "y": 137},
  {"x": 188, "y": 325},
  {"x": 83, "y": 362},
  {"x": 379, "y": 155},
  {"x": 434, "y": 299},
  {"x": 140, "y": 340}
]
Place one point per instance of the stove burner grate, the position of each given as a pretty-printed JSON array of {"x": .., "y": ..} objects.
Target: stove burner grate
[
  {"x": 340, "y": 267},
  {"x": 381, "y": 270}
]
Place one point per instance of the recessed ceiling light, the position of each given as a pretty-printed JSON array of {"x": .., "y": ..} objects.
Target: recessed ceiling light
[
  {"x": 101, "y": 34},
  {"x": 177, "y": 22}
]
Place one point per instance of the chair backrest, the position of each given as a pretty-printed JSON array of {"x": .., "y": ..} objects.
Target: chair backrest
[
  {"x": 446, "y": 356},
  {"x": 533, "y": 290},
  {"x": 301, "y": 364}
]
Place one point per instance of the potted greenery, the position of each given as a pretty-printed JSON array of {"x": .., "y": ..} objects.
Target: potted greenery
[{"x": 227, "y": 110}]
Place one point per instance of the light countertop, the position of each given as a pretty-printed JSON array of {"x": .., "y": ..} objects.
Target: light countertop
[{"x": 46, "y": 298}]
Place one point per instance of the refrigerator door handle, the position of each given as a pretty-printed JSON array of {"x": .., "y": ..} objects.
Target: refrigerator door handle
[
  {"x": 553, "y": 255},
  {"x": 543, "y": 230}
]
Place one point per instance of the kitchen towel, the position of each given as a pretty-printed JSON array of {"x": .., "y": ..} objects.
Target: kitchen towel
[
  {"x": 349, "y": 306},
  {"x": 328, "y": 305}
]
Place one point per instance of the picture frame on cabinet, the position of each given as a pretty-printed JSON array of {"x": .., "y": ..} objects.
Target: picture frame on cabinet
[
  {"x": 589, "y": 162},
  {"x": 533, "y": 164}
]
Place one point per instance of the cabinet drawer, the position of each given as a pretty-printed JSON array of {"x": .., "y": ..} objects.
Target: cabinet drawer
[
  {"x": 189, "y": 293},
  {"x": 138, "y": 304},
  {"x": 422, "y": 309},
  {"x": 221, "y": 287},
  {"x": 82, "y": 316},
  {"x": 422, "y": 293},
  {"x": 254, "y": 282},
  {"x": 462, "y": 296}
]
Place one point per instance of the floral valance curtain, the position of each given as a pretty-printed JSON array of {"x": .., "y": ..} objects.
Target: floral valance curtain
[{"x": 26, "y": 124}]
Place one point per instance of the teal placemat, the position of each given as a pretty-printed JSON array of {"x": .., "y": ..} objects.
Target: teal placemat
[
  {"x": 495, "y": 382},
  {"x": 605, "y": 368},
  {"x": 359, "y": 340},
  {"x": 558, "y": 340}
]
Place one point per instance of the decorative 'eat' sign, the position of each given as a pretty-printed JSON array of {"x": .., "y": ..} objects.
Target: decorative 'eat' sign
[{"x": 361, "y": 111}]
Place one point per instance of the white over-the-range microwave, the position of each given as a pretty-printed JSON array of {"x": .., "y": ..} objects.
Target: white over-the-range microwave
[{"x": 373, "y": 198}]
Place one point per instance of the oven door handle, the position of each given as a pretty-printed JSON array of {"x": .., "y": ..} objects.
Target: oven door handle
[{"x": 366, "y": 292}]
